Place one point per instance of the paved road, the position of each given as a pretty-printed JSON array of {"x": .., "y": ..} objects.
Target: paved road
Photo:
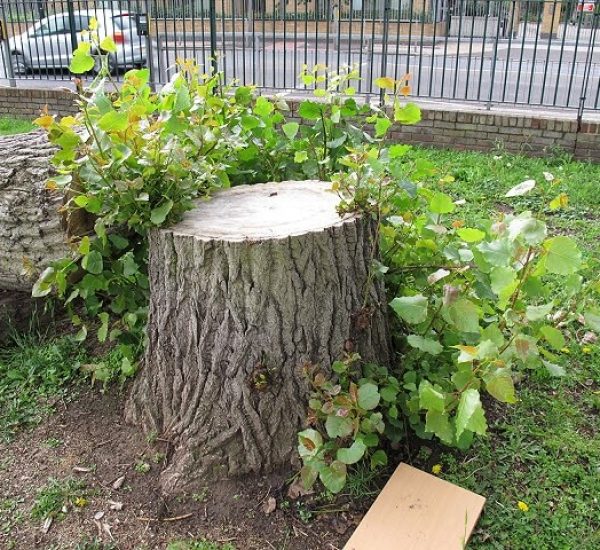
[{"x": 507, "y": 72}]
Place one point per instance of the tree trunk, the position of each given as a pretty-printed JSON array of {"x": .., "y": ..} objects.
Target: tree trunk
[
  {"x": 31, "y": 231},
  {"x": 247, "y": 289}
]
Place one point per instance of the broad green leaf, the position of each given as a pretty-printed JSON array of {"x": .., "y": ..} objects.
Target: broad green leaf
[
  {"x": 114, "y": 121},
  {"x": 504, "y": 282},
  {"x": 409, "y": 114},
  {"x": 82, "y": 60},
  {"x": 493, "y": 333},
  {"x": 108, "y": 44},
  {"x": 592, "y": 318},
  {"x": 368, "y": 396},
  {"x": 92, "y": 262},
  {"x": 333, "y": 476},
  {"x": 263, "y": 107},
  {"x": 470, "y": 234},
  {"x": 159, "y": 214},
  {"x": 496, "y": 253},
  {"x": 429, "y": 398},
  {"x": 470, "y": 415},
  {"x": 563, "y": 257},
  {"x": 290, "y": 129},
  {"x": 522, "y": 189},
  {"x": 352, "y": 454},
  {"x": 382, "y": 125},
  {"x": 525, "y": 347},
  {"x": 389, "y": 393},
  {"x": 103, "y": 330},
  {"x": 398, "y": 150},
  {"x": 553, "y": 336},
  {"x": 412, "y": 309},
  {"x": 43, "y": 286},
  {"x": 385, "y": 82},
  {"x": 438, "y": 423},
  {"x": 425, "y": 344},
  {"x": 441, "y": 203},
  {"x": 130, "y": 266},
  {"x": 300, "y": 156},
  {"x": 308, "y": 475},
  {"x": 338, "y": 426},
  {"x": 84, "y": 245},
  {"x": 499, "y": 384},
  {"x": 533, "y": 231},
  {"x": 537, "y": 313},
  {"x": 554, "y": 370},
  {"x": 463, "y": 314},
  {"x": 379, "y": 458},
  {"x": 309, "y": 442},
  {"x": 310, "y": 110}
]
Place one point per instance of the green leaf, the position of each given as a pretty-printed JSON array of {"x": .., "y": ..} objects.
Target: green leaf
[
  {"x": 430, "y": 398},
  {"x": 382, "y": 125},
  {"x": 300, "y": 156},
  {"x": 537, "y": 313},
  {"x": 500, "y": 385},
  {"x": 409, "y": 114},
  {"x": 352, "y": 454},
  {"x": 533, "y": 231},
  {"x": 338, "y": 426},
  {"x": 493, "y": 333},
  {"x": 522, "y": 189},
  {"x": 308, "y": 475},
  {"x": 496, "y": 253},
  {"x": 470, "y": 234},
  {"x": 82, "y": 60},
  {"x": 43, "y": 286},
  {"x": 310, "y": 441},
  {"x": 92, "y": 262},
  {"x": 379, "y": 458},
  {"x": 425, "y": 344},
  {"x": 553, "y": 336},
  {"x": 333, "y": 476},
  {"x": 470, "y": 415},
  {"x": 385, "y": 82},
  {"x": 84, "y": 245},
  {"x": 114, "y": 121},
  {"x": 398, "y": 150},
  {"x": 441, "y": 203},
  {"x": 103, "y": 330},
  {"x": 389, "y": 393},
  {"x": 554, "y": 370},
  {"x": 504, "y": 282},
  {"x": 368, "y": 396},
  {"x": 438, "y": 423},
  {"x": 290, "y": 129},
  {"x": 263, "y": 107},
  {"x": 130, "y": 266},
  {"x": 412, "y": 309},
  {"x": 562, "y": 255},
  {"x": 159, "y": 214},
  {"x": 592, "y": 318},
  {"x": 108, "y": 45},
  {"x": 310, "y": 110},
  {"x": 464, "y": 315}
]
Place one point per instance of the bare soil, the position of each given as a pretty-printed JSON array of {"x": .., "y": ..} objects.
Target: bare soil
[{"x": 88, "y": 440}]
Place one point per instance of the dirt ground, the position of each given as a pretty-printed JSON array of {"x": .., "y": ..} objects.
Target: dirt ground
[{"x": 88, "y": 440}]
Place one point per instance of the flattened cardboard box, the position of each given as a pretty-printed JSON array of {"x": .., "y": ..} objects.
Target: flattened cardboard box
[{"x": 418, "y": 511}]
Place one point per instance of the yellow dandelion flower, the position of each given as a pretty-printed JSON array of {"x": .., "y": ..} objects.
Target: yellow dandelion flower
[
  {"x": 522, "y": 506},
  {"x": 586, "y": 349},
  {"x": 565, "y": 350},
  {"x": 80, "y": 502},
  {"x": 436, "y": 469}
]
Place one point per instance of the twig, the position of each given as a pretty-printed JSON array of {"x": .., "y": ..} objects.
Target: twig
[{"x": 176, "y": 518}]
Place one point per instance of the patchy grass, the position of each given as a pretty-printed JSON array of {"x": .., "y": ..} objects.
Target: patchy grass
[
  {"x": 199, "y": 545},
  {"x": 545, "y": 450},
  {"x": 34, "y": 375},
  {"x": 9, "y": 125},
  {"x": 56, "y": 498}
]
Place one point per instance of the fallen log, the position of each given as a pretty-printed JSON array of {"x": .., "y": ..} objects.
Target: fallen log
[
  {"x": 32, "y": 232},
  {"x": 245, "y": 290}
]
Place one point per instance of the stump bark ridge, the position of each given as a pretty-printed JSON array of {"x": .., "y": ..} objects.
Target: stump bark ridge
[{"x": 250, "y": 286}]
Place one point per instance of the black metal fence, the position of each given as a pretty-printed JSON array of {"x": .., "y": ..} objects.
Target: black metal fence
[{"x": 529, "y": 52}]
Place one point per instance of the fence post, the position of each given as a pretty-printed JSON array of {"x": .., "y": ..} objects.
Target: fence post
[
  {"x": 71, "y": 13},
  {"x": 587, "y": 69},
  {"x": 7, "y": 58},
  {"x": 213, "y": 35},
  {"x": 384, "y": 47}
]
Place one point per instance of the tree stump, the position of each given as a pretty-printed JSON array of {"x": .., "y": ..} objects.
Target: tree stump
[
  {"x": 249, "y": 287},
  {"x": 31, "y": 228}
]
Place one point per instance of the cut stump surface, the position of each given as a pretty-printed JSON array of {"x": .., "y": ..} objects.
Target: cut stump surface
[{"x": 249, "y": 287}]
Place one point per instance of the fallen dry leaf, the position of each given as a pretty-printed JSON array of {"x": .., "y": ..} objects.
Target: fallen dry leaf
[
  {"x": 269, "y": 506},
  {"x": 118, "y": 483}
]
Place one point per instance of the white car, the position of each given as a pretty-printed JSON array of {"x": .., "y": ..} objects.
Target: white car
[{"x": 49, "y": 43}]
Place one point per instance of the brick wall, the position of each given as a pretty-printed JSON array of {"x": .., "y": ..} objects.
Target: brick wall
[{"x": 533, "y": 132}]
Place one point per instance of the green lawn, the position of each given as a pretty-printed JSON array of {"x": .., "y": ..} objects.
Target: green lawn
[
  {"x": 545, "y": 450},
  {"x": 9, "y": 125}
]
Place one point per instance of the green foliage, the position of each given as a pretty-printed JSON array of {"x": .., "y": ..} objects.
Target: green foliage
[
  {"x": 10, "y": 126},
  {"x": 57, "y": 496},
  {"x": 33, "y": 374},
  {"x": 202, "y": 544}
]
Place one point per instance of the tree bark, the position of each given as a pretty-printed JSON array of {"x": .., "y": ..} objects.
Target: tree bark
[
  {"x": 31, "y": 229},
  {"x": 249, "y": 287}
]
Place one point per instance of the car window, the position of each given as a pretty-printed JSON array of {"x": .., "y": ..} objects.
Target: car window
[
  {"x": 125, "y": 23},
  {"x": 82, "y": 22},
  {"x": 53, "y": 25}
]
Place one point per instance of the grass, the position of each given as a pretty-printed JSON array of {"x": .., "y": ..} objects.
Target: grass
[
  {"x": 545, "y": 450},
  {"x": 57, "y": 496},
  {"x": 202, "y": 544},
  {"x": 34, "y": 374},
  {"x": 9, "y": 125}
]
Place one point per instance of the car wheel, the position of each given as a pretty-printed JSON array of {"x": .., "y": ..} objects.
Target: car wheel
[{"x": 19, "y": 64}]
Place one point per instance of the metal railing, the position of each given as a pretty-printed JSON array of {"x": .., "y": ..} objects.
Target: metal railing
[{"x": 529, "y": 52}]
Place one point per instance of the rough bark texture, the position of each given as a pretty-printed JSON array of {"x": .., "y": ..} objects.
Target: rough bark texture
[
  {"x": 31, "y": 232},
  {"x": 244, "y": 291}
]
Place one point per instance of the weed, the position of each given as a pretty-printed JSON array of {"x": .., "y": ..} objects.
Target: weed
[
  {"x": 53, "y": 442},
  {"x": 54, "y": 499},
  {"x": 201, "y": 496},
  {"x": 9, "y": 125},
  {"x": 202, "y": 544},
  {"x": 142, "y": 467}
]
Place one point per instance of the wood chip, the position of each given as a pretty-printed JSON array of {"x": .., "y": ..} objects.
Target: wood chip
[
  {"x": 81, "y": 469},
  {"x": 115, "y": 506},
  {"x": 269, "y": 506},
  {"x": 46, "y": 526},
  {"x": 118, "y": 483}
]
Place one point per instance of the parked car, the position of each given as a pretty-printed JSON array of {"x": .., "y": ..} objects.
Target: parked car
[{"x": 49, "y": 43}]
